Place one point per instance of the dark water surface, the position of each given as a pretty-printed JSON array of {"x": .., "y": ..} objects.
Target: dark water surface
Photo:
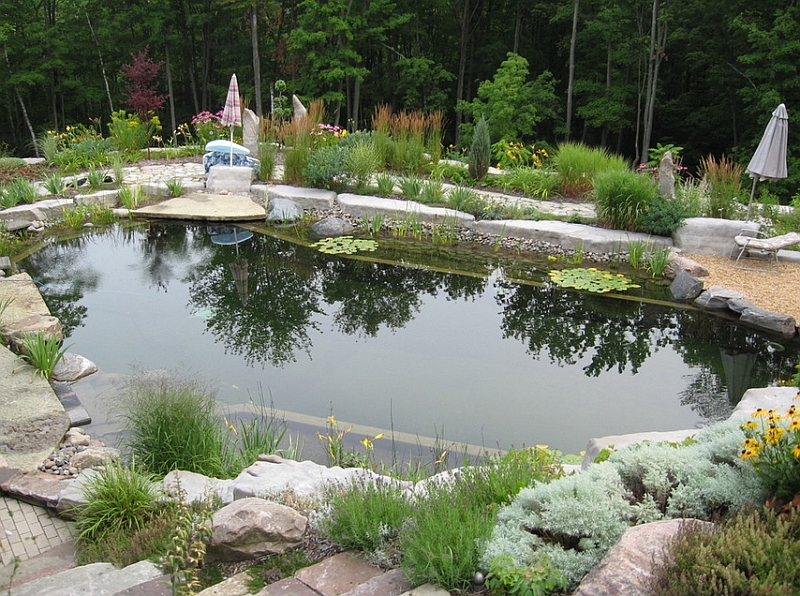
[{"x": 472, "y": 358}]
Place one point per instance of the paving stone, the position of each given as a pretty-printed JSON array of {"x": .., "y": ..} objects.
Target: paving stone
[
  {"x": 390, "y": 583},
  {"x": 338, "y": 574},
  {"x": 287, "y": 587},
  {"x": 427, "y": 590},
  {"x": 97, "y": 579}
]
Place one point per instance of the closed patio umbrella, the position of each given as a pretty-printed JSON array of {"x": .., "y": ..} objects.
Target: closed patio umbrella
[
  {"x": 769, "y": 160},
  {"x": 232, "y": 113}
]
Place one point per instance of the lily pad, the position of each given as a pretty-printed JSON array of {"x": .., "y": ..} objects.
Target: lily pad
[
  {"x": 345, "y": 245},
  {"x": 592, "y": 280}
]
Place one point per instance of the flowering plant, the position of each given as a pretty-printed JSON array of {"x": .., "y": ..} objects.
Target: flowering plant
[
  {"x": 323, "y": 135},
  {"x": 772, "y": 445},
  {"x": 208, "y": 126},
  {"x": 512, "y": 154}
]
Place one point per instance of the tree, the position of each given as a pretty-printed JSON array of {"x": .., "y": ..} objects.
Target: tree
[
  {"x": 512, "y": 105},
  {"x": 141, "y": 85}
]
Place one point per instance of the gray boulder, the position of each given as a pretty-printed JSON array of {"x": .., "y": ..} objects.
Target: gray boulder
[
  {"x": 229, "y": 179},
  {"x": 283, "y": 210},
  {"x": 93, "y": 457},
  {"x": 769, "y": 321},
  {"x": 194, "y": 488},
  {"x": 308, "y": 198},
  {"x": 666, "y": 176},
  {"x": 250, "y": 125},
  {"x": 717, "y": 297},
  {"x": 678, "y": 263},
  {"x": 685, "y": 287},
  {"x": 627, "y": 568},
  {"x": 252, "y": 528},
  {"x": 330, "y": 227},
  {"x": 72, "y": 367},
  {"x": 14, "y": 332},
  {"x": 709, "y": 235}
]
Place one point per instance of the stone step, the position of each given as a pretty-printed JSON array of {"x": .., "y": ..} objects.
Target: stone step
[{"x": 98, "y": 579}]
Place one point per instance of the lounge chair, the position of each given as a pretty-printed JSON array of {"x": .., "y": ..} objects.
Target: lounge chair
[{"x": 764, "y": 248}]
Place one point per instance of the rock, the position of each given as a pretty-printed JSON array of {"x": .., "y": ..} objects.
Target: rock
[
  {"x": 717, "y": 297},
  {"x": 252, "y": 528},
  {"x": 678, "y": 263},
  {"x": 685, "y": 287},
  {"x": 300, "y": 110},
  {"x": 308, "y": 198},
  {"x": 72, "y": 367},
  {"x": 75, "y": 437},
  {"x": 739, "y": 305},
  {"x": 194, "y": 488},
  {"x": 283, "y": 210},
  {"x": 766, "y": 398},
  {"x": 769, "y": 321},
  {"x": 366, "y": 206},
  {"x": 339, "y": 574},
  {"x": 331, "y": 227},
  {"x": 595, "y": 446},
  {"x": 35, "y": 487},
  {"x": 37, "y": 323},
  {"x": 273, "y": 475},
  {"x": 710, "y": 236},
  {"x": 93, "y": 457},
  {"x": 20, "y": 216},
  {"x": 97, "y": 579},
  {"x": 627, "y": 568},
  {"x": 103, "y": 198},
  {"x": 71, "y": 496},
  {"x": 234, "y": 179},
  {"x": 666, "y": 176},
  {"x": 250, "y": 130}
]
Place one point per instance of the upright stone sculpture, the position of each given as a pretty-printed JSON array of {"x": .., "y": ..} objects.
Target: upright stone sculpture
[
  {"x": 300, "y": 110},
  {"x": 666, "y": 176},
  {"x": 250, "y": 126}
]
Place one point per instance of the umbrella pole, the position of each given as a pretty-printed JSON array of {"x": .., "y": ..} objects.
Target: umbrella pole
[
  {"x": 231, "y": 154},
  {"x": 752, "y": 194}
]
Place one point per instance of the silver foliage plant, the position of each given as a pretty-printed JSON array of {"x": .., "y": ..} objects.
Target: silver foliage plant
[{"x": 574, "y": 520}]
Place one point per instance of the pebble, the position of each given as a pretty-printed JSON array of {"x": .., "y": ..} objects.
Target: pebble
[{"x": 59, "y": 462}]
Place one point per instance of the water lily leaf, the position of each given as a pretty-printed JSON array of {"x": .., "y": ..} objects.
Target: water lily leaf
[
  {"x": 591, "y": 280},
  {"x": 344, "y": 245}
]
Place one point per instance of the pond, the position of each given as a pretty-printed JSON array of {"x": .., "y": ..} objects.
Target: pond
[{"x": 471, "y": 357}]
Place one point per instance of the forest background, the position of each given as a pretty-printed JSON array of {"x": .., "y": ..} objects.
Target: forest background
[{"x": 624, "y": 74}]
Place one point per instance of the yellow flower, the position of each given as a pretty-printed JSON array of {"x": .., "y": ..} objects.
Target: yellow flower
[
  {"x": 751, "y": 424},
  {"x": 366, "y": 443},
  {"x": 332, "y": 420},
  {"x": 794, "y": 424},
  {"x": 773, "y": 434},
  {"x": 760, "y": 412},
  {"x": 378, "y": 436},
  {"x": 748, "y": 453},
  {"x": 796, "y": 451}
]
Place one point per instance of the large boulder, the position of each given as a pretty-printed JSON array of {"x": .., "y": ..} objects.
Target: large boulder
[
  {"x": 678, "y": 263},
  {"x": 229, "y": 179},
  {"x": 252, "y": 528},
  {"x": 717, "y": 298},
  {"x": 284, "y": 211},
  {"x": 308, "y": 198},
  {"x": 627, "y": 568},
  {"x": 194, "y": 488},
  {"x": 685, "y": 287},
  {"x": 709, "y": 235},
  {"x": 330, "y": 227},
  {"x": 250, "y": 126}
]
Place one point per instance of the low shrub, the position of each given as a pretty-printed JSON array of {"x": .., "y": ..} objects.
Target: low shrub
[
  {"x": 362, "y": 160},
  {"x": 326, "y": 167},
  {"x": 267, "y": 158},
  {"x": 577, "y": 165},
  {"x": 662, "y": 217},
  {"x": 755, "y": 552},
  {"x": 480, "y": 151},
  {"x": 621, "y": 197},
  {"x": 532, "y": 182}
]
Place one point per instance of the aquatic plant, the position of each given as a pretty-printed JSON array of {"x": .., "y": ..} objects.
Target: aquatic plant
[
  {"x": 592, "y": 280},
  {"x": 344, "y": 245}
]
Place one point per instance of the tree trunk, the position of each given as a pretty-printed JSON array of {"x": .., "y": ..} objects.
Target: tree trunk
[
  {"x": 173, "y": 122},
  {"x": 517, "y": 28},
  {"x": 356, "y": 101},
  {"x": 102, "y": 64},
  {"x": 462, "y": 67},
  {"x": 572, "y": 44},
  {"x": 256, "y": 58},
  {"x": 22, "y": 107},
  {"x": 658, "y": 40}
]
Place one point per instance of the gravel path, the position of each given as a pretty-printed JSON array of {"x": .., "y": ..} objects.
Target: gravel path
[{"x": 777, "y": 292}]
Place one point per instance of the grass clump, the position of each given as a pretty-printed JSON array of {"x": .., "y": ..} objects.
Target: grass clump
[
  {"x": 171, "y": 424},
  {"x": 724, "y": 178},
  {"x": 43, "y": 352},
  {"x": 755, "y": 552},
  {"x": 621, "y": 197},
  {"x": 577, "y": 165}
]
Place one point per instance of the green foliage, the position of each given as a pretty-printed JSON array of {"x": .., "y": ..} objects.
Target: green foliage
[
  {"x": 480, "y": 151},
  {"x": 130, "y": 196},
  {"x": 118, "y": 499},
  {"x": 171, "y": 424},
  {"x": 591, "y": 280},
  {"x": 18, "y": 191},
  {"x": 621, "y": 197},
  {"x": 362, "y": 161},
  {"x": 577, "y": 165},
  {"x": 267, "y": 158},
  {"x": 505, "y": 578},
  {"x": 658, "y": 260},
  {"x": 54, "y": 184},
  {"x": 432, "y": 192},
  {"x": 174, "y": 186},
  {"x": 326, "y": 167},
  {"x": 636, "y": 252},
  {"x": 264, "y": 433},
  {"x": 463, "y": 198},
  {"x": 187, "y": 554},
  {"x": 510, "y": 154},
  {"x": 513, "y": 105},
  {"x": 772, "y": 446},
  {"x": 275, "y": 568},
  {"x": 385, "y": 184},
  {"x": 574, "y": 520},
  {"x": 43, "y": 352},
  {"x": 128, "y": 133},
  {"x": 410, "y": 187},
  {"x": 445, "y": 170},
  {"x": 656, "y": 154},
  {"x": 368, "y": 517},
  {"x": 345, "y": 245},
  {"x": 533, "y": 182},
  {"x": 662, "y": 217},
  {"x": 755, "y": 552},
  {"x": 724, "y": 178}
]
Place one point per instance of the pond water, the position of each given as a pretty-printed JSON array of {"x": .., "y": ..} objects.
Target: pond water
[{"x": 469, "y": 357}]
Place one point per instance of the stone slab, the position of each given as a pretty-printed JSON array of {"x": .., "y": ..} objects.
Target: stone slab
[
  {"x": 710, "y": 235},
  {"x": 159, "y": 586},
  {"x": 210, "y": 207},
  {"x": 595, "y": 446},
  {"x": 307, "y": 198},
  {"x": 767, "y": 398},
  {"x": 338, "y": 574},
  {"x": 366, "y": 206},
  {"x": 235, "y": 585},
  {"x": 390, "y": 583},
  {"x": 24, "y": 296},
  {"x": 34, "y": 487},
  {"x": 97, "y": 579},
  {"x": 104, "y": 198},
  {"x": 20, "y": 216},
  {"x": 32, "y": 419},
  {"x": 570, "y": 236},
  {"x": 234, "y": 179},
  {"x": 287, "y": 587},
  {"x": 426, "y": 590}
]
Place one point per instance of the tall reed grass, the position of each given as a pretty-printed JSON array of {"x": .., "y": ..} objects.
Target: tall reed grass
[
  {"x": 577, "y": 165},
  {"x": 724, "y": 178}
]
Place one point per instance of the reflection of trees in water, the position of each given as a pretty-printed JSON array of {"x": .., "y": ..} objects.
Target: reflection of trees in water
[
  {"x": 273, "y": 323},
  {"x": 371, "y": 295},
  {"x": 569, "y": 326},
  {"x": 66, "y": 275},
  {"x": 163, "y": 248}
]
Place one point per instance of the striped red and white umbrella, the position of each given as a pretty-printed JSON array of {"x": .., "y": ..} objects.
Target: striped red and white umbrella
[{"x": 232, "y": 113}]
